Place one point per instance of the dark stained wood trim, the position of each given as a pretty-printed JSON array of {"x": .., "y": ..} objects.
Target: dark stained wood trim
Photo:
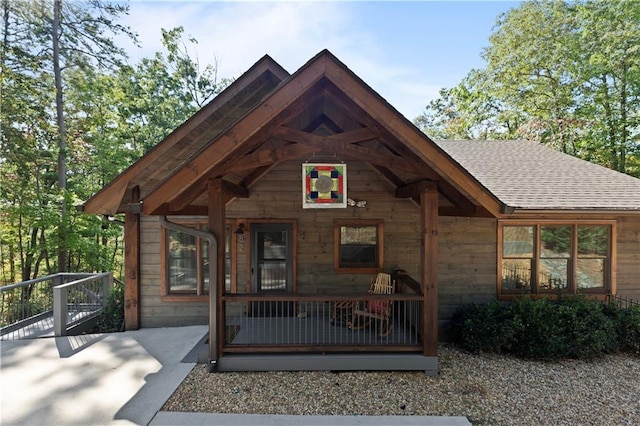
[
  {"x": 610, "y": 283},
  {"x": 108, "y": 199},
  {"x": 233, "y": 190},
  {"x": 183, "y": 199},
  {"x": 456, "y": 197},
  {"x": 337, "y": 223},
  {"x": 253, "y": 127},
  {"x": 342, "y": 144},
  {"x": 255, "y": 175},
  {"x": 217, "y": 226},
  {"x": 351, "y": 136},
  {"x": 190, "y": 210},
  {"x": 416, "y": 189},
  {"x": 132, "y": 266},
  {"x": 260, "y": 158},
  {"x": 429, "y": 255},
  {"x": 411, "y": 138}
]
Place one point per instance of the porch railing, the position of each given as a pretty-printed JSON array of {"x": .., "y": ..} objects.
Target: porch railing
[
  {"x": 67, "y": 297},
  {"x": 623, "y": 302},
  {"x": 77, "y": 300},
  {"x": 321, "y": 323}
]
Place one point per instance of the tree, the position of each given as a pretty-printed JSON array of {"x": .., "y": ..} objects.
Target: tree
[
  {"x": 112, "y": 112},
  {"x": 84, "y": 42},
  {"x": 565, "y": 74},
  {"x": 165, "y": 90}
]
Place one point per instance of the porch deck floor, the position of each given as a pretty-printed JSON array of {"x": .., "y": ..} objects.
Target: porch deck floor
[{"x": 314, "y": 330}]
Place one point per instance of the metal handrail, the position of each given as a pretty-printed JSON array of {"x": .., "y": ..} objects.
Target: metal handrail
[
  {"x": 55, "y": 291},
  {"x": 60, "y": 298}
]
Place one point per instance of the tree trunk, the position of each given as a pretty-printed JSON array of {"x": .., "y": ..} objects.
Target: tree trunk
[
  {"x": 62, "y": 137},
  {"x": 622, "y": 147}
]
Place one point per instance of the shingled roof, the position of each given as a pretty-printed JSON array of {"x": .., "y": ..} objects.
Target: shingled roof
[
  {"x": 269, "y": 116},
  {"x": 527, "y": 175}
]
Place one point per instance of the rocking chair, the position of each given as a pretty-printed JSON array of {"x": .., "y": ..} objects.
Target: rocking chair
[{"x": 379, "y": 310}]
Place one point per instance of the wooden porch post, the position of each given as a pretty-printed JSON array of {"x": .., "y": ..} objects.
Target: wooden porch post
[
  {"x": 217, "y": 228},
  {"x": 429, "y": 261},
  {"x": 132, "y": 266}
]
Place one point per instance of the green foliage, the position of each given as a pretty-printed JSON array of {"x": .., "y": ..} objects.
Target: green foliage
[
  {"x": 565, "y": 74},
  {"x": 112, "y": 114},
  {"x": 572, "y": 327},
  {"x": 112, "y": 317},
  {"x": 483, "y": 328},
  {"x": 627, "y": 325}
]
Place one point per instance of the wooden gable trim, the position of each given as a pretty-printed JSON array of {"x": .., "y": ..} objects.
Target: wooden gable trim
[
  {"x": 343, "y": 144},
  {"x": 181, "y": 198},
  {"x": 384, "y": 114},
  {"x": 252, "y": 126},
  {"x": 109, "y": 198},
  {"x": 388, "y": 141}
]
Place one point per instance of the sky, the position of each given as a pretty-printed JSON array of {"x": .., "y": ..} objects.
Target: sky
[{"x": 406, "y": 51}]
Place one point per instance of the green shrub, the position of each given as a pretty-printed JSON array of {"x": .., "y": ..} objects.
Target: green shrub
[
  {"x": 627, "y": 325},
  {"x": 112, "y": 317},
  {"x": 483, "y": 328},
  {"x": 572, "y": 327},
  {"x": 538, "y": 329}
]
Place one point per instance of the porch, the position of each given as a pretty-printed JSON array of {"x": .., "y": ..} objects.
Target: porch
[{"x": 324, "y": 332}]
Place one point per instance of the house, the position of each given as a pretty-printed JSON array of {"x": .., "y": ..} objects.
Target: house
[{"x": 269, "y": 211}]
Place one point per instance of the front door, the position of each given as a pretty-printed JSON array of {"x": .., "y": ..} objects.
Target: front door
[{"x": 272, "y": 266}]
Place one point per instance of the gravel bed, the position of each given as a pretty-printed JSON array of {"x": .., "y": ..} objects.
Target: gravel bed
[{"x": 487, "y": 389}]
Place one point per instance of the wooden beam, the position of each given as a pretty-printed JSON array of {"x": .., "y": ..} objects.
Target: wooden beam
[
  {"x": 244, "y": 137},
  {"x": 267, "y": 157},
  {"x": 344, "y": 144},
  {"x": 185, "y": 198},
  {"x": 392, "y": 146},
  {"x": 411, "y": 138},
  {"x": 182, "y": 202},
  {"x": 255, "y": 175},
  {"x": 416, "y": 189},
  {"x": 233, "y": 190},
  {"x": 429, "y": 278},
  {"x": 298, "y": 136},
  {"x": 217, "y": 227},
  {"x": 255, "y": 126},
  {"x": 108, "y": 199},
  {"x": 132, "y": 266}
]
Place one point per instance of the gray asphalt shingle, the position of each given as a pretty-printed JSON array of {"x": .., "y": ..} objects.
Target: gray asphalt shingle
[{"x": 528, "y": 175}]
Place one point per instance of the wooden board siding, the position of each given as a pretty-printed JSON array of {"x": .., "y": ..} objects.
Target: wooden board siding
[
  {"x": 467, "y": 263},
  {"x": 154, "y": 312},
  {"x": 466, "y": 259},
  {"x": 278, "y": 195},
  {"x": 467, "y": 255},
  {"x": 628, "y": 245}
]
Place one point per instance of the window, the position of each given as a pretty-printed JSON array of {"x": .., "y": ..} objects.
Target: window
[
  {"x": 186, "y": 262},
  {"x": 555, "y": 257},
  {"x": 358, "y": 246}
]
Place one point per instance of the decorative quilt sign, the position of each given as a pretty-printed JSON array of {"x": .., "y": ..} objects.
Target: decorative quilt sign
[{"x": 324, "y": 186}]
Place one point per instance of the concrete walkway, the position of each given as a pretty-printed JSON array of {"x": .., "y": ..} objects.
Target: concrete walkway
[{"x": 125, "y": 378}]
